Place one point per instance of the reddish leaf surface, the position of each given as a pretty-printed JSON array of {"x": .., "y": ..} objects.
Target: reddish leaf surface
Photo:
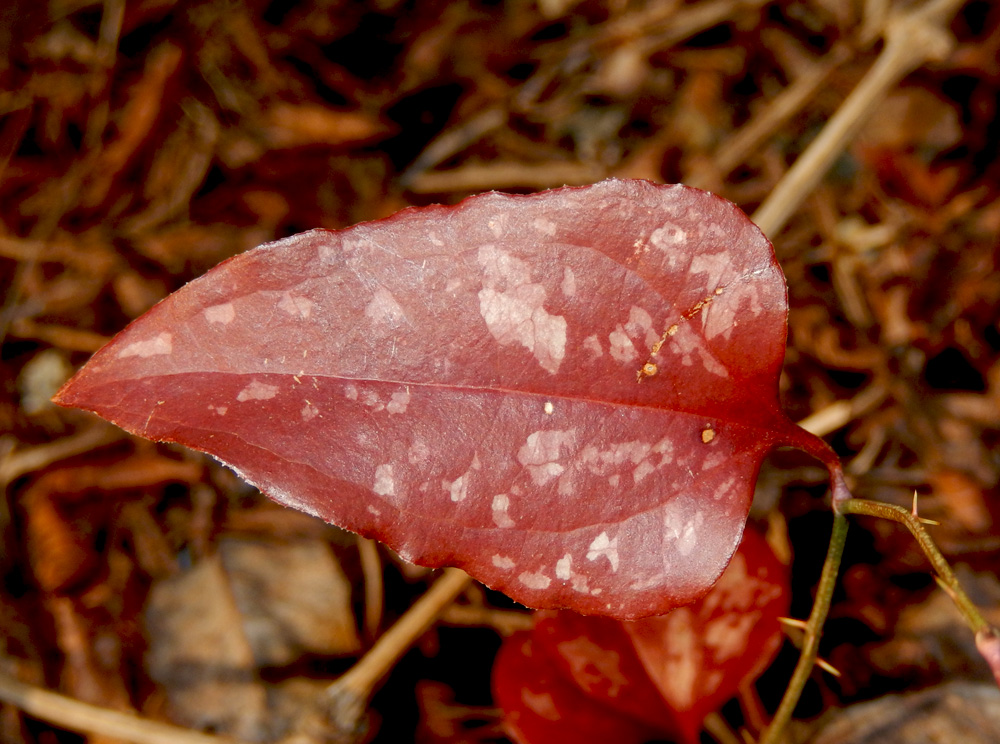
[
  {"x": 662, "y": 674},
  {"x": 700, "y": 655},
  {"x": 474, "y": 385},
  {"x": 596, "y": 655},
  {"x": 540, "y": 706}
]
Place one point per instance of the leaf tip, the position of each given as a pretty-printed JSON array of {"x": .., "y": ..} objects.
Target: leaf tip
[{"x": 65, "y": 395}]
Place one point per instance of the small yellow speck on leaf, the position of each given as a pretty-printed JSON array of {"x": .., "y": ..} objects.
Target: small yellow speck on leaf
[
  {"x": 647, "y": 370},
  {"x": 707, "y": 434}
]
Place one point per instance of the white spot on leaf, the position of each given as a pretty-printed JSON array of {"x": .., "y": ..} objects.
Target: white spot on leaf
[
  {"x": 604, "y": 461},
  {"x": 309, "y": 412},
  {"x": 642, "y": 470},
  {"x": 714, "y": 460},
  {"x": 723, "y": 489},
  {"x": 370, "y": 398},
  {"x": 544, "y": 226},
  {"x": 640, "y": 326},
  {"x": 592, "y": 666},
  {"x": 679, "y": 673},
  {"x": 564, "y": 567},
  {"x": 501, "y": 503},
  {"x": 518, "y": 317},
  {"x": 385, "y": 485},
  {"x": 668, "y": 237},
  {"x": 541, "y": 452},
  {"x": 398, "y": 402},
  {"x": 541, "y": 704},
  {"x": 568, "y": 282},
  {"x": 665, "y": 449},
  {"x": 622, "y": 348},
  {"x": 711, "y": 681},
  {"x": 603, "y": 546},
  {"x": 458, "y": 489},
  {"x": 419, "y": 452},
  {"x": 503, "y": 562},
  {"x": 296, "y": 305},
  {"x": 681, "y": 524},
  {"x": 383, "y": 308},
  {"x": 639, "y": 322},
  {"x": 257, "y": 390},
  {"x": 727, "y": 635},
  {"x": 344, "y": 247},
  {"x": 722, "y": 316},
  {"x": 512, "y": 308},
  {"x": 224, "y": 313},
  {"x": 718, "y": 266},
  {"x": 162, "y": 343},
  {"x": 692, "y": 349},
  {"x": 534, "y": 580},
  {"x": 738, "y": 591},
  {"x": 593, "y": 345}
]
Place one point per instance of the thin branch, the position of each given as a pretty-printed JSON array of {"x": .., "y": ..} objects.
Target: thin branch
[
  {"x": 67, "y": 713},
  {"x": 987, "y": 637},
  {"x": 946, "y": 576},
  {"x": 15, "y": 464},
  {"x": 771, "y": 118},
  {"x": 832, "y": 417},
  {"x": 911, "y": 39},
  {"x": 349, "y": 695},
  {"x": 814, "y": 630},
  {"x": 371, "y": 569}
]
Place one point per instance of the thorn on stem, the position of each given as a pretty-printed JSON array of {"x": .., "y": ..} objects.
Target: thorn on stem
[
  {"x": 827, "y": 667},
  {"x": 922, "y": 520},
  {"x": 946, "y": 587},
  {"x": 793, "y": 622}
]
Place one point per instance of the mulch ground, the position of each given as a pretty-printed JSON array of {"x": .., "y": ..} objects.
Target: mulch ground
[{"x": 141, "y": 143}]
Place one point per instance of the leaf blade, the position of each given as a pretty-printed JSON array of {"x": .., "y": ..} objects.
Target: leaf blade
[
  {"x": 464, "y": 383},
  {"x": 665, "y": 673}
]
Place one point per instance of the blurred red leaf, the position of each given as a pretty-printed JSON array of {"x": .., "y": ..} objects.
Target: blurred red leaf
[
  {"x": 662, "y": 675},
  {"x": 700, "y": 655},
  {"x": 567, "y": 394},
  {"x": 541, "y": 706}
]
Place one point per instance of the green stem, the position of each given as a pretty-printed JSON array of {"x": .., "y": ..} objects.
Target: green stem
[
  {"x": 946, "y": 577},
  {"x": 843, "y": 505},
  {"x": 814, "y": 629}
]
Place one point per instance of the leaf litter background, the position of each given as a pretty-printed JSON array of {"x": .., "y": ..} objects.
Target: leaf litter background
[{"x": 142, "y": 144}]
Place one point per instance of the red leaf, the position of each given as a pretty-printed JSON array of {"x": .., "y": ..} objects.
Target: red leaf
[
  {"x": 700, "y": 655},
  {"x": 596, "y": 655},
  {"x": 463, "y": 383},
  {"x": 663, "y": 674},
  {"x": 541, "y": 707}
]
